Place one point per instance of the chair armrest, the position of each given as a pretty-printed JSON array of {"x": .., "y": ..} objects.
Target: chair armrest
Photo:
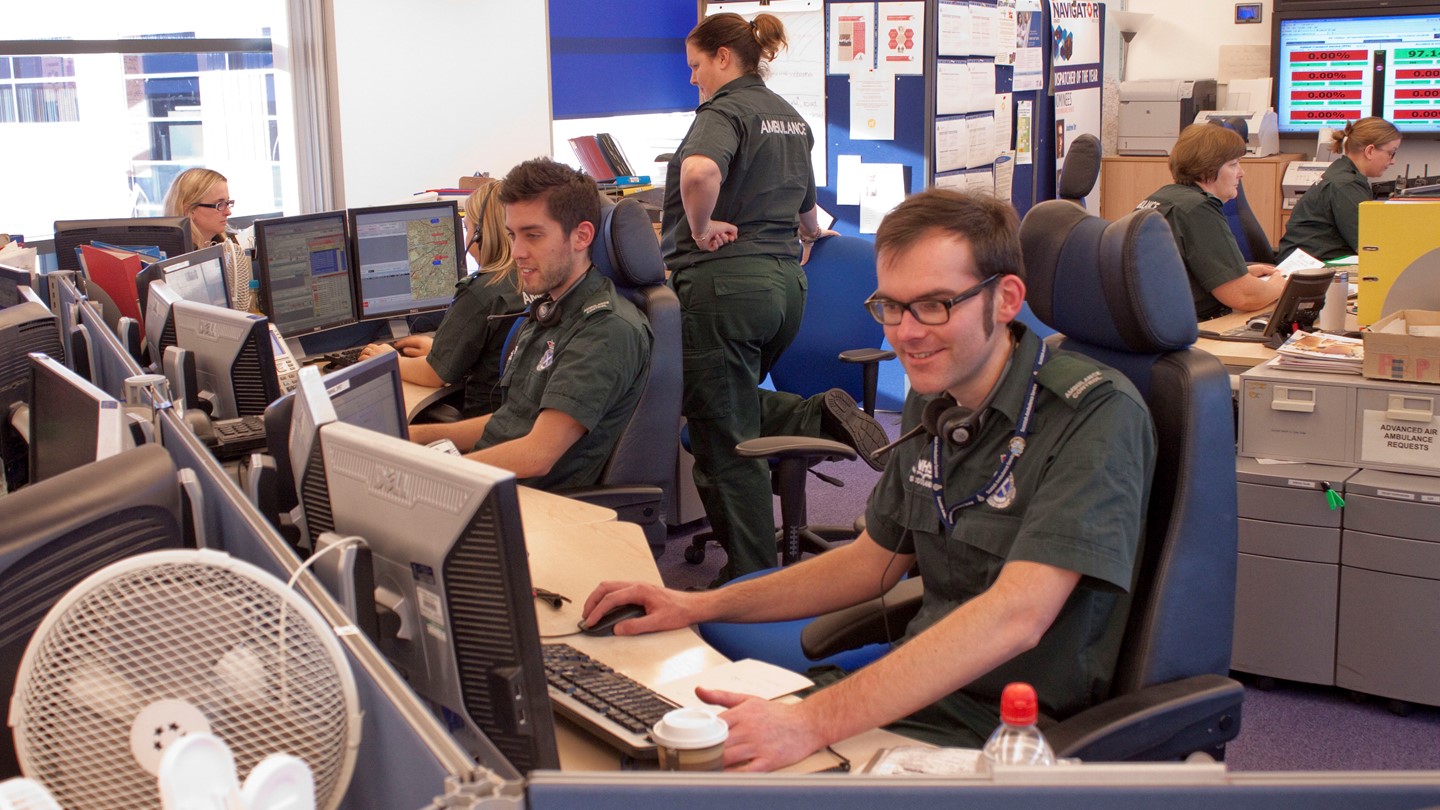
[
  {"x": 877, "y": 620},
  {"x": 782, "y": 447},
  {"x": 1162, "y": 722},
  {"x": 866, "y": 355}
]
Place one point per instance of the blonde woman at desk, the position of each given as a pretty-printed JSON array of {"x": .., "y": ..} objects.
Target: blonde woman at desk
[
  {"x": 1326, "y": 221},
  {"x": 1205, "y": 163},
  {"x": 468, "y": 343},
  {"x": 203, "y": 195}
]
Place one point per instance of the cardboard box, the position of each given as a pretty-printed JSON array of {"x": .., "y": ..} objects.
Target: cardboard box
[{"x": 1393, "y": 352}]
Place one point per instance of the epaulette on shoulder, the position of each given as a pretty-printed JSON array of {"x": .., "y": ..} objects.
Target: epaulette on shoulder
[{"x": 1072, "y": 377}]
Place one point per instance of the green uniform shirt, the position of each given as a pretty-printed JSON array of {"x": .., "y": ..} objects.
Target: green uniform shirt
[
  {"x": 468, "y": 344},
  {"x": 1205, "y": 241},
  {"x": 1326, "y": 221},
  {"x": 1075, "y": 500},
  {"x": 590, "y": 365},
  {"x": 762, "y": 147}
]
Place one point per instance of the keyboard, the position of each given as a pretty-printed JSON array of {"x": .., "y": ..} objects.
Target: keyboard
[
  {"x": 607, "y": 704},
  {"x": 237, "y": 438},
  {"x": 344, "y": 357}
]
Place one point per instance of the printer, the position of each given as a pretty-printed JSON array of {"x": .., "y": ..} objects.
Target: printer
[
  {"x": 1262, "y": 126},
  {"x": 1300, "y": 175},
  {"x": 1153, "y": 111}
]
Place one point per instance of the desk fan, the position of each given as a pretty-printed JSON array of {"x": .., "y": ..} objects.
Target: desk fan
[{"x": 165, "y": 644}]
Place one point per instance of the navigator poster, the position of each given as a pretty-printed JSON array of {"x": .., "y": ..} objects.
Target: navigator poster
[{"x": 1075, "y": 53}]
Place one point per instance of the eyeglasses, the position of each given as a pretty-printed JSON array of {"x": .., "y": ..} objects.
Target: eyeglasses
[
  {"x": 929, "y": 311},
  {"x": 223, "y": 205},
  {"x": 1390, "y": 152}
]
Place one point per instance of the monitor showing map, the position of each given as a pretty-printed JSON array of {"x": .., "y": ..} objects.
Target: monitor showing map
[{"x": 407, "y": 257}]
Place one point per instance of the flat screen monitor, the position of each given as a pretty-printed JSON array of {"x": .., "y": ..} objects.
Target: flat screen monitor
[
  {"x": 1299, "y": 304},
  {"x": 109, "y": 510},
  {"x": 24, "y": 328},
  {"x": 234, "y": 357},
  {"x": 11, "y": 280},
  {"x": 160, "y": 320},
  {"x": 306, "y": 277},
  {"x": 452, "y": 584},
  {"x": 1357, "y": 60},
  {"x": 111, "y": 359},
  {"x": 407, "y": 257},
  {"x": 170, "y": 236},
  {"x": 195, "y": 276},
  {"x": 67, "y": 300},
  {"x": 72, "y": 422}
]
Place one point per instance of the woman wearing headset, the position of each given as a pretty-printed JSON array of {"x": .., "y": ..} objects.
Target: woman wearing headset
[
  {"x": 203, "y": 195},
  {"x": 468, "y": 343},
  {"x": 1326, "y": 221}
]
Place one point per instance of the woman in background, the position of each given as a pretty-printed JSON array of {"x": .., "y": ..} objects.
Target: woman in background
[
  {"x": 1205, "y": 163},
  {"x": 203, "y": 195},
  {"x": 468, "y": 343},
  {"x": 1326, "y": 221}
]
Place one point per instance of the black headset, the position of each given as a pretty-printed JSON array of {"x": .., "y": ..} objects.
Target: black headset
[
  {"x": 487, "y": 193},
  {"x": 947, "y": 419}
]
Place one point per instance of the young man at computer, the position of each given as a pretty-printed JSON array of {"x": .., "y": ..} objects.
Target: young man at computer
[
  {"x": 577, "y": 367},
  {"x": 1024, "y": 515}
]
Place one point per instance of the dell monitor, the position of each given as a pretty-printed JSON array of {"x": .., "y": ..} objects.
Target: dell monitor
[
  {"x": 165, "y": 236},
  {"x": 72, "y": 422},
  {"x": 234, "y": 357},
  {"x": 305, "y": 272},
  {"x": 407, "y": 259},
  {"x": 452, "y": 583},
  {"x": 11, "y": 280},
  {"x": 195, "y": 276},
  {"x": 109, "y": 510},
  {"x": 27, "y": 327}
]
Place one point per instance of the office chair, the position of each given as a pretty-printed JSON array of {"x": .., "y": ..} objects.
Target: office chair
[
  {"x": 1081, "y": 169},
  {"x": 1254, "y": 244},
  {"x": 1118, "y": 293},
  {"x": 841, "y": 274},
  {"x": 641, "y": 470}
]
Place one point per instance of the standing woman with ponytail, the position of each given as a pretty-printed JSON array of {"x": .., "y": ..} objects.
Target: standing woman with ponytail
[
  {"x": 203, "y": 195},
  {"x": 738, "y": 193},
  {"x": 1326, "y": 221}
]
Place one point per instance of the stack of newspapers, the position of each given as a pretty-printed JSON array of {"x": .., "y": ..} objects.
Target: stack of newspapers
[{"x": 1313, "y": 351}]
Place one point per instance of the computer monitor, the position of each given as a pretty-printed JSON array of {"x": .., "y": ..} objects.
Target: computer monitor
[
  {"x": 160, "y": 320},
  {"x": 407, "y": 258},
  {"x": 169, "y": 235},
  {"x": 234, "y": 357},
  {"x": 452, "y": 582},
  {"x": 67, "y": 300},
  {"x": 306, "y": 277},
  {"x": 72, "y": 422},
  {"x": 11, "y": 280},
  {"x": 1299, "y": 304},
  {"x": 111, "y": 359},
  {"x": 24, "y": 328},
  {"x": 195, "y": 276},
  {"x": 59, "y": 531}
]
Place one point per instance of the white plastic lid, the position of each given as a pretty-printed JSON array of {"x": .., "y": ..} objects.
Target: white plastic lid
[{"x": 690, "y": 728}]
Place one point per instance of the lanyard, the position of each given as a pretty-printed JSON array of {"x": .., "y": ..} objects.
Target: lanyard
[{"x": 1013, "y": 451}]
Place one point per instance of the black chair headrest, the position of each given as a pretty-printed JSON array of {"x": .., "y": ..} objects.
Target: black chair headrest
[
  {"x": 1236, "y": 123},
  {"x": 1118, "y": 285},
  {"x": 1081, "y": 168},
  {"x": 625, "y": 248}
]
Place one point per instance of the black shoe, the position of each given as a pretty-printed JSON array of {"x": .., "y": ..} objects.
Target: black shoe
[{"x": 843, "y": 421}]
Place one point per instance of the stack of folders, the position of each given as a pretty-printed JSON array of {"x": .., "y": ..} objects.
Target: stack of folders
[
  {"x": 1312, "y": 351},
  {"x": 604, "y": 161}
]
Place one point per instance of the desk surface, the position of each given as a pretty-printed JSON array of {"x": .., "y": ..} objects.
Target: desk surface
[{"x": 1238, "y": 357}]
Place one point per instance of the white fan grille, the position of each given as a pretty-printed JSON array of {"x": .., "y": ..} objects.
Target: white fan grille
[{"x": 190, "y": 631}]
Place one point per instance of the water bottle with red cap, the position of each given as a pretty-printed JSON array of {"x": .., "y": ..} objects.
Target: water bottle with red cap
[{"x": 1018, "y": 740}]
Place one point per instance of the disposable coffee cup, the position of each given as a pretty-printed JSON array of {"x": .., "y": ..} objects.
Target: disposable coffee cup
[
  {"x": 1332, "y": 314},
  {"x": 690, "y": 740}
]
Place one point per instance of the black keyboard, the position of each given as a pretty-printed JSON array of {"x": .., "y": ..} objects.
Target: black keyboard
[
  {"x": 606, "y": 703},
  {"x": 237, "y": 438},
  {"x": 344, "y": 357}
]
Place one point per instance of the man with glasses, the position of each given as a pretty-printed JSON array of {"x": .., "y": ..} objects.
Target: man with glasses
[{"x": 1018, "y": 489}]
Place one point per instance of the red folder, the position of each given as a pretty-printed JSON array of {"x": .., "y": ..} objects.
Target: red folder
[
  {"x": 587, "y": 149},
  {"x": 113, "y": 272}
]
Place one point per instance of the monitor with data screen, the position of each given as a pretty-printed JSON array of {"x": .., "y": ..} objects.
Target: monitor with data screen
[
  {"x": 195, "y": 276},
  {"x": 305, "y": 272},
  {"x": 407, "y": 257}
]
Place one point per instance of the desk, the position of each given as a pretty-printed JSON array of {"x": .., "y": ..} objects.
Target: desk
[
  {"x": 419, "y": 397},
  {"x": 1127, "y": 179},
  {"x": 573, "y": 549},
  {"x": 1238, "y": 357}
]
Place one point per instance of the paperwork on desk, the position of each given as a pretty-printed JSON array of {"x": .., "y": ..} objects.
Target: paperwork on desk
[
  {"x": 904, "y": 760},
  {"x": 749, "y": 676}
]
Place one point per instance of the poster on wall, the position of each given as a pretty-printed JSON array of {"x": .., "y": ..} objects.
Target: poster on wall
[
  {"x": 1029, "y": 58},
  {"x": 1075, "y": 74},
  {"x": 852, "y": 34},
  {"x": 902, "y": 38}
]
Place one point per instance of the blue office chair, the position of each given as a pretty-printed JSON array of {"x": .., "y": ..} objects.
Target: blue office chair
[
  {"x": 1118, "y": 292},
  {"x": 1254, "y": 244},
  {"x": 1081, "y": 169}
]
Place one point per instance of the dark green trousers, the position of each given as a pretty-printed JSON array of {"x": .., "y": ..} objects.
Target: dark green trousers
[{"x": 737, "y": 316}]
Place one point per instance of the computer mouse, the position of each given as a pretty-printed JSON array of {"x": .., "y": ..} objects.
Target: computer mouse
[
  {"x": 605, "y": 625},
  {"x": 1258, "y": 323}
]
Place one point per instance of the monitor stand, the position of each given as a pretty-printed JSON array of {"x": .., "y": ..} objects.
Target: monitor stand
[{"x": 399, "y": 328}]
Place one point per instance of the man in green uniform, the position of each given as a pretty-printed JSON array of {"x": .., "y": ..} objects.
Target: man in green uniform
[
  {"x": 1027, "y": 533},
  {"x": 576, "y": 372}
]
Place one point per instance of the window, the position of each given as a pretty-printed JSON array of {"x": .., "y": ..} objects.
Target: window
[{"x": 95, "y": 124}]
